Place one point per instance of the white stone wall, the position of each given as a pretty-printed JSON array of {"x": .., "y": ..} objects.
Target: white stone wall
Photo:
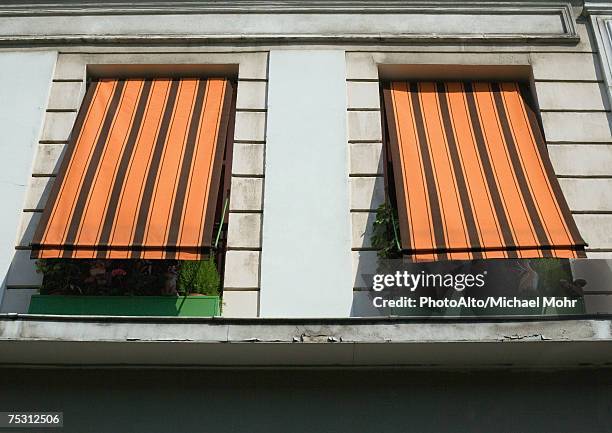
[
  {"x": 306, "y": 263},
  {"x": 24, "y": 88}
]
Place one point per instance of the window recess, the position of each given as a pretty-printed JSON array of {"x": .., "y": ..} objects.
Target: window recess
[{"x": 143, "y": 174}]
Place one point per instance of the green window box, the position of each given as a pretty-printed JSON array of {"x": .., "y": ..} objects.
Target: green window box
[{"x": 177, "y": 306}]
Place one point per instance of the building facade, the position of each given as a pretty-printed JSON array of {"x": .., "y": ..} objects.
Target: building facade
[{"x": 306, "y": 177}]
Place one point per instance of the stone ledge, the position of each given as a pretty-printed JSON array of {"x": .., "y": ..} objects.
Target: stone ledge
[{"x": 459, "y": 343}]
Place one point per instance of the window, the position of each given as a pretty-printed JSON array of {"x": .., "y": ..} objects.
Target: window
[
  {"x": 472, "y": 177},
  {"x": 142, "y": 173}
]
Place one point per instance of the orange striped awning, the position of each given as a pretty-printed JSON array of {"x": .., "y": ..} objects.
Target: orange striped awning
[
  {"x": 141, "y": 172},
  {"x": 472, "y": 174}
]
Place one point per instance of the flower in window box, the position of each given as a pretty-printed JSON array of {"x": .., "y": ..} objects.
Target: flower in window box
[{"x": 118, "y": 273}]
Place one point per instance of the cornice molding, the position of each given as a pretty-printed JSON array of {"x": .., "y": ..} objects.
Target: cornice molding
[
  {"x": 16, "y": 16},
  {"x": 162, "y": 39},
  {"x": 602, "y": 29},
  {"x": 277, "y": 6},
  {"x": 597, "y": 8}
]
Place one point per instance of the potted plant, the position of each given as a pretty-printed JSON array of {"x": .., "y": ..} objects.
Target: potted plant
[{"x": 199, "y": 278}]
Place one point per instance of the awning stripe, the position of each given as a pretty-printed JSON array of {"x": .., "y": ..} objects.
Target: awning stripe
[
  {"x": 428, "y": 170},
  {"x": 472, "y": 175},
  {"x": 141, "y": 172},
  {"x": 98, "y": 190},
  {"x": 165, "y": 189},
  {"x": 448, "y": 198},
  {"x": 92, "y": 166},
  {"x": 500, "y": 217},
  {"x": 505, "y": 177},
  {"x": 459, "y": 173},
  {"x": 390, "y": 109},
  {"x": 214, "y": 122},
  {"x": 126, "y": 157},
  {"x": 186, "y": 167},
  {"x": 127, "y": 212},
  {"x": 146, "y": 200},
  {"x": 522, "y": 176},
  {"x": 482, "y": 202}
]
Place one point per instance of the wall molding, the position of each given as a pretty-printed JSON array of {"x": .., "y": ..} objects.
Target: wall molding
[
  {"x": 485, "y": 21},
  {"x": 278, "y": 6},
  {"x": 600, "y": 14},
  {"x": 597, "y": 7},
  {"x": 157, "y": 39}
]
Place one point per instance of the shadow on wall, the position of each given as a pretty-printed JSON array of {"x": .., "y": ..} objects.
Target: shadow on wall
[
  {"x": 48, "y": 161},
  {"x": 604, "y": 95},
  {"x": 2, "y": 294},
  {"x": 367, "y": 194},
  {"x": 20, "y": 283},
  {"x": 314, "y": 401},
  {"x": 46, "y": 167},
  {"x": 21, "y": 280}
]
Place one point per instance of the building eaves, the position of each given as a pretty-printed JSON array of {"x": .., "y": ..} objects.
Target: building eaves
[{"x": 219, "y": 342}]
